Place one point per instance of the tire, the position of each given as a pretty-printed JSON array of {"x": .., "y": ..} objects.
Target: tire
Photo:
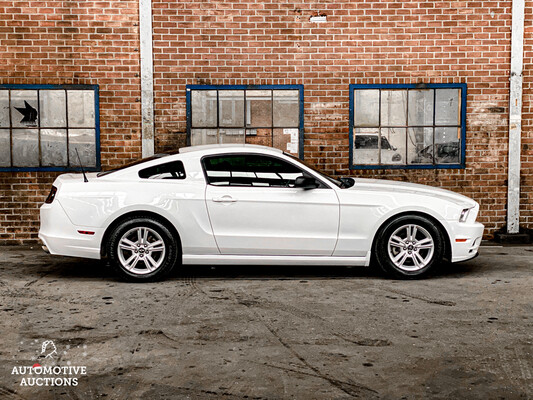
[
  {"x": 403, "y": 256},
  {"x": 142, "y": 249}
]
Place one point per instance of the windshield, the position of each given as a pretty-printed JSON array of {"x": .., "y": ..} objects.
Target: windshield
[
  {"x": 131, "y": 164},
  {"x": 336, "y": 182}
]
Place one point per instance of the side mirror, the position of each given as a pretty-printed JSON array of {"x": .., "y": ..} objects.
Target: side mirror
[{"x": 306, "y": 183}]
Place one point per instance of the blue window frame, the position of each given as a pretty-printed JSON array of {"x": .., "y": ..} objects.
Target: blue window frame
[
  {"x": 411, "y": 126},
  {"x": 46, "y": 127},
  {"x": 269, "y": 115}
]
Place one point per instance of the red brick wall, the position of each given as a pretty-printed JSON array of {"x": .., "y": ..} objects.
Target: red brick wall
[
  {"x": 273, "y": 42},
  {"x": 70, "y": 42}
]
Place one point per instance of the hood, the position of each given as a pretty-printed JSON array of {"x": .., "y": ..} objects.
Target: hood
[{"x": 389, "y": 186}]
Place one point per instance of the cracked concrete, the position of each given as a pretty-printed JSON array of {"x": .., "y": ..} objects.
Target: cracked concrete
[{"x": 271, "y": 332}]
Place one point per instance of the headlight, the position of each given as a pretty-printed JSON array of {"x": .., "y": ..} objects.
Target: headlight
[{"x": 464, "y": 214}]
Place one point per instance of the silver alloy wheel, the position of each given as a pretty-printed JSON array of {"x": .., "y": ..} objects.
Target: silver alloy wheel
[
  {"x": 411, "y": 247},
  {"x": 141, "y": 250}
]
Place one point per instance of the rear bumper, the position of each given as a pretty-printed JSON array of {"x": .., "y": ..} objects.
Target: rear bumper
[
  {"x": 465, "y": 240},
  {"x": 61, "y": 236}
]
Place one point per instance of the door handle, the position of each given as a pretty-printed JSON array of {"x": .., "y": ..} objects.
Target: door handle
[{"x": 224, "y": 199}]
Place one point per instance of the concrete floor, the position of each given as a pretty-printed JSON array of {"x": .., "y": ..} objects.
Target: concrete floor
[{"x": 271, "y": 332}]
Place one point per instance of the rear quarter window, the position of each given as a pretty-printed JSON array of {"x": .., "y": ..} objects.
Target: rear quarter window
[{"x": 170, "y": 170}]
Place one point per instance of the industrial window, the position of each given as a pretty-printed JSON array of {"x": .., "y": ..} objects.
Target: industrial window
[
  {"x": 42, "y": 126},
  {"x": 268, "y": 115},
  {"x": 407, "y": 126}
]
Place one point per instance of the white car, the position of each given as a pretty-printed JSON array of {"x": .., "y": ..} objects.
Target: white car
[{"x": 244, "y": 204}]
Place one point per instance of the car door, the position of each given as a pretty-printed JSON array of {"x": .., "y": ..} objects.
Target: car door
[{"x": 254, "y": 209}]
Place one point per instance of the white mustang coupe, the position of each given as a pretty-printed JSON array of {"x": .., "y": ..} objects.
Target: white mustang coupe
[{"x": 244, "y": 204}]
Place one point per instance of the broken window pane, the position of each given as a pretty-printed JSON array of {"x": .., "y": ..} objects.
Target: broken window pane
[
  {"x": 81, "y": 108},
  {"x": 203, "y": 136},
  {"x": 287, "y": 139},
  {"x": 231, "y": 108},
  {"x": 4, "y": 109},
  {"x": 447, "y": 110},
  {"x": 420, "y": 145},
  {"x": 26, "y": 147},
  {"x": 421, "y": 107},
  {"x": 204, "y": 108},
  {"x": 366, "y": 147},
  {"x": 85, "y": 141},
  {"x": 447, "y": 145},
  {"x": 260, "y": 136},
  {"x": 5, "y": 148},
  {"x": 393, "y": 150},
  {"x": 54, "y": 147},
  {"x": 258, "y": 108},
  {"x": 393, "y": 107},
  {"x": 53, "y": 108},
  {"x": 24, "y": 109},
  {"x": 366, "y": 107},
  {"x": 286, "y": 108},
  {"x": 231, "y": 135}
]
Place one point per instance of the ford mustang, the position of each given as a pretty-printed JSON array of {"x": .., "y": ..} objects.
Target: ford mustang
[{"x": 251, "y": 205}]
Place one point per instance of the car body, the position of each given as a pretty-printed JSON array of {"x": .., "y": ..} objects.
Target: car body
[{"x": 245, "y": 204}]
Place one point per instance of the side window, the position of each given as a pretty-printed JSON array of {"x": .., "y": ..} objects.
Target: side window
[
  {"x": 250, "y": 170},
  {"x": 170, "y": 170}
]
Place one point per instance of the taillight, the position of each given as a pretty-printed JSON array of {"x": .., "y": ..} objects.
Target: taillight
[{"x": 51, "y": 195}]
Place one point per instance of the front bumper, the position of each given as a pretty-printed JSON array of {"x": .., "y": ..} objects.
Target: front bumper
[
  {"x": 61, "y": 236},
  {"x": 465, "y": 240}
]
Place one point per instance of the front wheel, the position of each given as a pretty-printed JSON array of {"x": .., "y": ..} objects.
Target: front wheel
[
  {"x": 409, "y": 247},
  {"x": 142, "y": 249}
]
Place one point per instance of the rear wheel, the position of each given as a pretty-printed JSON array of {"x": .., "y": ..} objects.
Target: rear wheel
[
  {"x": 409, "y": 247},
  {"x": 142, "y": 249}
]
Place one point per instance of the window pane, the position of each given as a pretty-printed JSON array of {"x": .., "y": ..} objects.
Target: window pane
[
  {"x": 84, "y": 141},
  {"x": 52, "y": 105},
  {"x": 231, "y": 135},
  {"x": 420, "y": 145},
  {"x": 421, "y": 107},
  {"x": 260, "y": 136},
  {"x": 447, "y": 110},
  {"x": 5, "y": 146},
  {"x": 80, "y": 108},
  {"x": 447, "y": 145},
  {"x": 54, "y": 147},
  {"x": 231, "y": 108},
  {"x": 170, "y": 170},
  {"x": 366, "y": 107},
  {"x": 258, "y": 108},
  {"x": 286, "y": 108},
  {"x": 4, "y": 108},
  {"x": 203, "y": 136},
  {"x": 393, "y": 149},
  {"x": 287, "y": 139},
  {"x": 25, "y": 147},
  {"x": 204, "y": 108},
  {"x": 24, "y": 108},
  {"x": 393, "y": 107},
  {"x": 366, "y": 146}
]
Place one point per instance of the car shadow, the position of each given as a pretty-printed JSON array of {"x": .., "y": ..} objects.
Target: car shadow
[{"x": 96, "y": 270}]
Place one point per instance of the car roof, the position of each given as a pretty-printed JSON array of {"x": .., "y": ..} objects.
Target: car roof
[{"x": 237, "y": 147}]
